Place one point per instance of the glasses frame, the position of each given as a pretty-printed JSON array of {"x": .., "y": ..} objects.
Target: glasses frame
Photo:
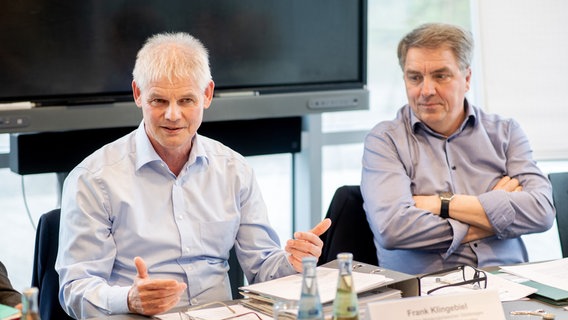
[
  {"x": 206, "y": 305},
  {"x": 185, "y": 316},
  {"x": 479, "y": 276},
  {"x": 243, "y": 315}
]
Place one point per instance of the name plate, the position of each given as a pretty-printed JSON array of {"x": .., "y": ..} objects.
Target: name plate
[{"x": 474, "y": 305}]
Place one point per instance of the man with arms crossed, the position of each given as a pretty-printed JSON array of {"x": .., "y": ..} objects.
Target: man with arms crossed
[
  {"x": 444, "y": 183},
  {"x": 148, "y": 220}
]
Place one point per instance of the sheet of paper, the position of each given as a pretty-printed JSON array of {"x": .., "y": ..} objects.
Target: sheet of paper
[
  {"x": 216, "y": 313},
  {"x": 507, "y": 289},
  {"x": 290, "y": 287},
  {"x": 551, "y": 273}
]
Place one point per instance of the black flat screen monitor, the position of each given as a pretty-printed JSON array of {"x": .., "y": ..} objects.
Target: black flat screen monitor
[{"x": 65, "y": 52}]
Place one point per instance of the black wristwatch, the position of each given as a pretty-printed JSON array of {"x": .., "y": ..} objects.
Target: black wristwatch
[{"x": 446, "y": 197}]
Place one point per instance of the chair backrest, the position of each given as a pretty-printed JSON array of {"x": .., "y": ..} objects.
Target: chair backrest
[
  {"x": 236, "y": 274},
  {"x": 44, "y": 276},
  {"x": 349, "y": 231},
  {"x": 559, "y": 181}
]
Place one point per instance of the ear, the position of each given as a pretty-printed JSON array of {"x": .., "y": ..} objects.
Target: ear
[
  {"x": 467, "y": 79},
  {"x": 137, "y": 94},
  {"x": 208, "y": 94}
]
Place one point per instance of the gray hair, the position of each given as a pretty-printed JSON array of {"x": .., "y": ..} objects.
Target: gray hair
[
  {"x": 172, "y": 56},
  {"x": 436, "y": 35}
]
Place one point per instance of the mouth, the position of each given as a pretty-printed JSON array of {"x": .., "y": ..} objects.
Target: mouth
[
  {"x": 429, "y": 105},
  {"x": 172, "y": 129}
]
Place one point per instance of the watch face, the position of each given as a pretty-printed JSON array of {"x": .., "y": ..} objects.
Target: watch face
[{"x": 446, "y": 195}]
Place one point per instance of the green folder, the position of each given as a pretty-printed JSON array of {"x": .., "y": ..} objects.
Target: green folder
[
  {"x": 548, "y": 294},
  {"x": 7, "y": 312}
]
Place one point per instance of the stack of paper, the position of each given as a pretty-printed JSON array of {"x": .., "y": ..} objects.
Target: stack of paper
[
  {"x": 264, "y": 305},
  {"x": 549, "y": 278},
  {"x": 290, "y": 287},
  {"x": 369, "y": 287}
]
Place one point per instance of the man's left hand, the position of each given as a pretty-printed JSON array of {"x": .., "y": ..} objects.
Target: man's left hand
[{"x": 306, "y": 244}]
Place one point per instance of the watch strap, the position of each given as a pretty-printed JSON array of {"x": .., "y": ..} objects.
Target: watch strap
[
  {"x": 445, "y": 198},
  {"x": 445, "y": 209}
]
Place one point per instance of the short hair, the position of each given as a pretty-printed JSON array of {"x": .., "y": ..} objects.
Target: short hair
[
  {"x": 436, "y": 35},
  {"x": 172, "y": 56}
]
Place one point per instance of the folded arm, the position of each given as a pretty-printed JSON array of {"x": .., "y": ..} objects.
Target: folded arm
[{"x": 468, "y": 209}]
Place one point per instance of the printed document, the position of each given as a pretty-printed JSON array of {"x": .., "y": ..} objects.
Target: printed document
[{"x": 551, "y": 273}]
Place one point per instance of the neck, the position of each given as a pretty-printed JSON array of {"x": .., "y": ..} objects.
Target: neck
[{"x": 175, "y": 159}]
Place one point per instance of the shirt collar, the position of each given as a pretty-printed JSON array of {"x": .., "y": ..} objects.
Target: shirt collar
[
  {"x": 471, "y": 118},
  {"x": 146, "y": 154},
  {"x": 198, "y": 152}
]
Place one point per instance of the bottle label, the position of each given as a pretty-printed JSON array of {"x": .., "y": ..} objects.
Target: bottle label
[{"x": 345, "y": 306}]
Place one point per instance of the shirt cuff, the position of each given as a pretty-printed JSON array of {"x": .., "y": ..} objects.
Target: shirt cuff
[
  {"x": 285, "y": 269},
  {"x": 118, "y": 300},
  {"x": 498, "y": 210},
  {"x": 459, "y": 230}
]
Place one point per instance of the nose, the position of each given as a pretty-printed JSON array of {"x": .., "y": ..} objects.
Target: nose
[
  {"x": 428, "y": 87},
  {"x": 173, "y": 111}
]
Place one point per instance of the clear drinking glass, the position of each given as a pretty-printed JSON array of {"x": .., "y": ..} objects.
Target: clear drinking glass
[{"x": 285, "y": 310}]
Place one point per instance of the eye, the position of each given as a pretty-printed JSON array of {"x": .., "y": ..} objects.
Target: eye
[
  {"x": 157, "y": 102},
  {"x": 414, "y": 78},
  {"x": 185, "y": 101},
  {"x": 442, "y": 76}
]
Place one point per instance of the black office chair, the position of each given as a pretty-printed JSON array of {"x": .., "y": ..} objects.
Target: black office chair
[
  {"x": 236, "y": 274},
  {"x": 44, "y": 276},
  {"x": 559, "y": 181},
  {"x": 349, "y": 231}
]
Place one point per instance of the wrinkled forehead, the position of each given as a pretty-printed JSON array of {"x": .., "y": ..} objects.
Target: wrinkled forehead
[
  {"x": 172, "y": 82},
  {"x": 420, "y": 59}
]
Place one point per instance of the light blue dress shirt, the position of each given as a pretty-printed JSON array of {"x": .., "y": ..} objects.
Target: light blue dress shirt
[
  {"x": 403, "y": 157},
  {"x": 123, "y": 201}
]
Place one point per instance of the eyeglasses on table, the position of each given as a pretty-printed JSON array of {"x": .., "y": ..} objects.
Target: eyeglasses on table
[
  {"x": 470, "y": 275},
  {"x": 183, "y": 315}
]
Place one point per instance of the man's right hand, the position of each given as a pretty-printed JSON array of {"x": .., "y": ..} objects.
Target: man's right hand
[
  {"x": 508, "y": 184},
  {"x": 150, "y": 297}
]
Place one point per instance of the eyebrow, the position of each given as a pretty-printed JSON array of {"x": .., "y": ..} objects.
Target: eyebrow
[
  {"x": 155, "y": 95},
  {"x": 440, "y": 70}
]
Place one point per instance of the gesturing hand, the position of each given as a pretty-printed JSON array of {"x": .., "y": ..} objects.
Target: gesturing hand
[
  {"x": 150, "y": 297},
  {"x": 306, "y": 244}
]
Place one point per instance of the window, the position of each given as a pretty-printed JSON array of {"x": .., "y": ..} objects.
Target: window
[
  {"x": 274, "y": 175},
  {"x": 524, "y": 47},
  {"x": 17, "y": 232}
]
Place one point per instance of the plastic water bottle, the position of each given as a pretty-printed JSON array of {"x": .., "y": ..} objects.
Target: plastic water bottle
[
  {"x": 30, "y": 307},
  {"x": 309, "y": 307},
  {"x": 345, "y": 305}
]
